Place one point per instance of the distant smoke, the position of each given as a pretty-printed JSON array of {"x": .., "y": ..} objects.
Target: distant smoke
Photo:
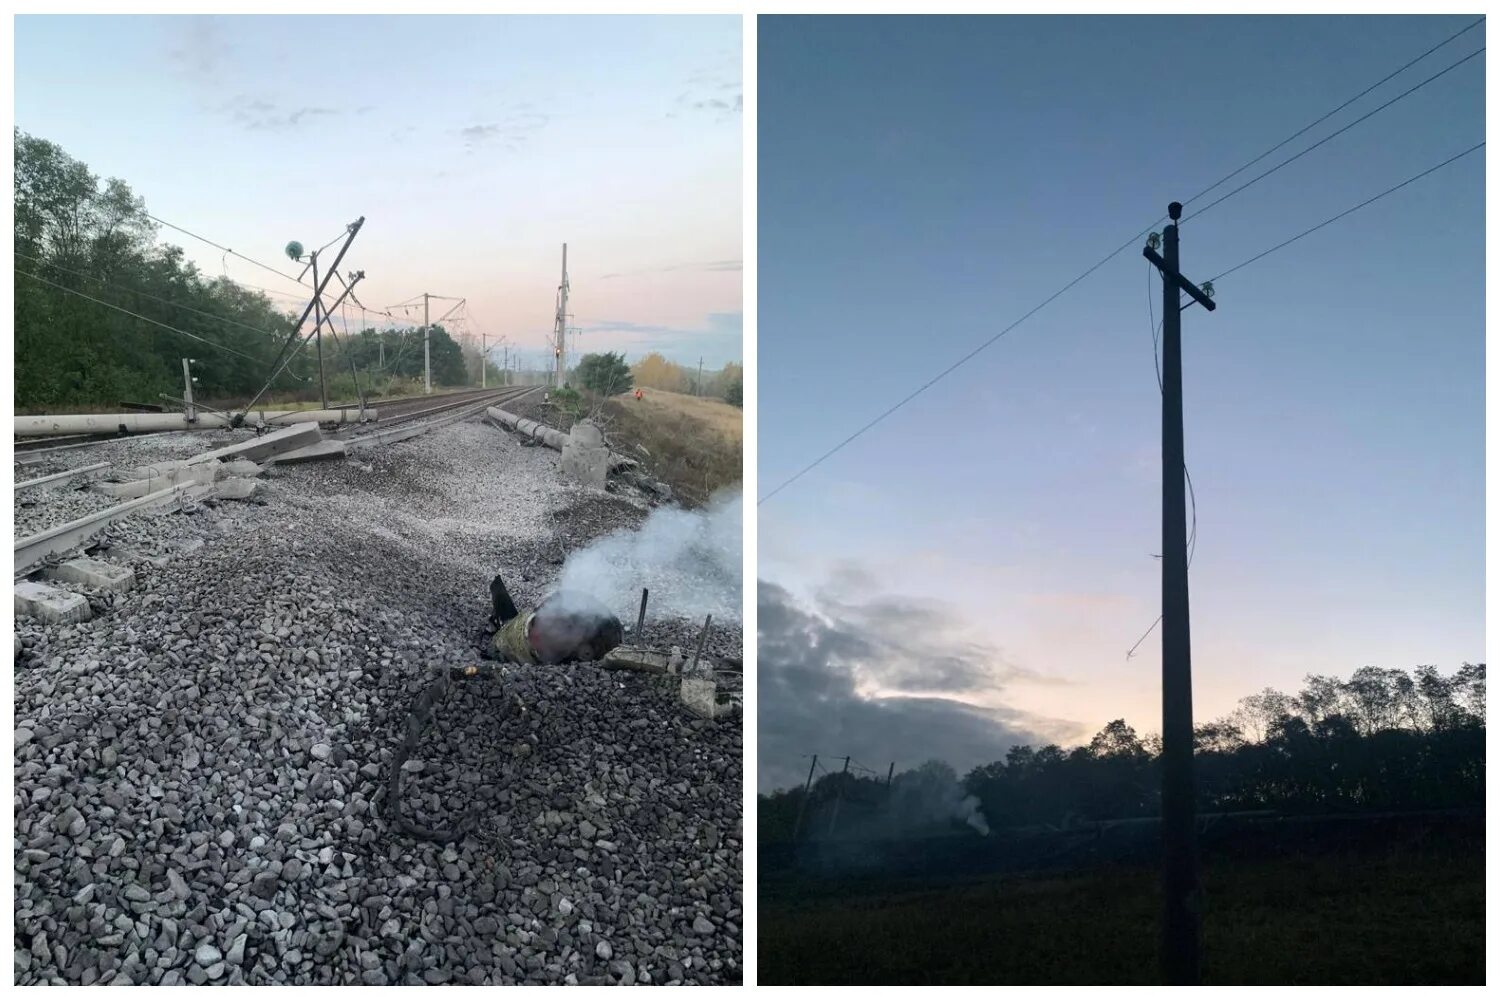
[
  {"x": 930, "y": 795},
  {"x": 690, "y": 560}
]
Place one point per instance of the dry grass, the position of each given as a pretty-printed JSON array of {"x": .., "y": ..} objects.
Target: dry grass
[
  {"x": 664, "y": 406},
  {"x": 693, "y": 445}
]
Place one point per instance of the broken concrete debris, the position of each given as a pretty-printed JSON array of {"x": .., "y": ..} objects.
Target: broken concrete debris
[
  {"x": 50, "y": 604},
  {"x": 699, "y": 689},
  {"x": 585, "y": 456},
  {"x": 93, "y": 573}
]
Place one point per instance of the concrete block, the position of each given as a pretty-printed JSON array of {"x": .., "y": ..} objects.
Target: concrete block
[
  {"x": 93, "y": 573},
  {"x": 258, "y": 449},
  {"x": 51, "y": 604},
  {"x": 636, "y": 658},
  {"x": 584, "y": 456},
  {"x": 701, "y": 696},
  {"x": 236, "y": 489},
  {"x": 242, "y": 469},
  {"x": 312, "y": 453}
]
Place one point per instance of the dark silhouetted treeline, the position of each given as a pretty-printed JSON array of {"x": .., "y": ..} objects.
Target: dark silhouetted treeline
[
  {"x": 1381, "y": 740},
  {"x": 75, "y": 234}
]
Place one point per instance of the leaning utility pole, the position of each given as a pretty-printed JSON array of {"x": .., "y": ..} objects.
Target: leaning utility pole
[
  {"x": 282, "y": 360},
  {"x": 806, "y": 791},
  {"x": 561, "y": 346},
  {"x": 1181, "y": 894}
]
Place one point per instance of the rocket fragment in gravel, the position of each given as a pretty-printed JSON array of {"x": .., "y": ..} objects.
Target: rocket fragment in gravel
[{"x": 568, "y": 627}]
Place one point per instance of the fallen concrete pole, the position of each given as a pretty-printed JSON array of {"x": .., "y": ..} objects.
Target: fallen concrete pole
[
  {"x": 146, "y": 423},
  {"x": 258, "y": 449},
  {"x": 58, "y": 477},
  {"x": 551, "y": 437},
  {"x": 30, "y": 551}
]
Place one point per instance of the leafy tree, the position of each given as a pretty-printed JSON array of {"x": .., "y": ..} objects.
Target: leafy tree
[
  {"x": 1381, "y": 740},
  {"x": 603, "y": 374},
  {"x": 86, "y": 260}
]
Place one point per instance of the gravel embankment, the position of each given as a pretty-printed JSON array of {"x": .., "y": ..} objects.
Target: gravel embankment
[{"x": 199, "y": 771}]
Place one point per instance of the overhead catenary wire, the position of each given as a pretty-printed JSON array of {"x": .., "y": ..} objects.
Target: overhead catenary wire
[
  {"x": 1348, "y": 211},
  {"x": 1265, "y": 253},
  {"x": 1329, "y": 114},
  {"x": 220, "y": 246},
  {"x": 865, "y": 428},
  {"x": 1333, "y": 135}
]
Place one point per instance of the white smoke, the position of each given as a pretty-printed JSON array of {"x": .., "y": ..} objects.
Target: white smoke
[
  {"x": 968, "y": 811},
  {"x": 932, "y": 794},
  {"x": 690, "y": 560}
]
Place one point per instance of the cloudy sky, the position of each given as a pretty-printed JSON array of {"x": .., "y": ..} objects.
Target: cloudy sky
[
  {"x": 973, "y": 570},
  {"x": 474, "y": 146}
]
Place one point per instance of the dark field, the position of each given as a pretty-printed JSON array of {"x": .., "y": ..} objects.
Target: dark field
[{"x": 1403, "y": 905}]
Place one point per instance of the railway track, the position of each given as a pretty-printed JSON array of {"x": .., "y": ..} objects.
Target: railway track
[
  {"x": 397, "y": 412},
  {"x": 399, "y": 420}
]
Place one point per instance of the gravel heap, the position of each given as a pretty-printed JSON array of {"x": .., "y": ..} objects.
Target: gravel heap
[
  {"x": 199, "y": 771},
  {"x": 46, "y": 507}
]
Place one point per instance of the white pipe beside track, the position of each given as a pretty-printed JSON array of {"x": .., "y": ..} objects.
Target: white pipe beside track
[{"x": 145, "y": 423}]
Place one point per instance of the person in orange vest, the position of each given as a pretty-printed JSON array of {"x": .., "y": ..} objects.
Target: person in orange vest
[{"x": 639, "y": 394}]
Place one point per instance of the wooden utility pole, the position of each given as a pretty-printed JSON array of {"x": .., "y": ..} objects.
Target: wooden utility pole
[
  {"x": 890, "y": 774},
  {"x": 806, "y": 789},
  {"x": 1181, "y": 894}
]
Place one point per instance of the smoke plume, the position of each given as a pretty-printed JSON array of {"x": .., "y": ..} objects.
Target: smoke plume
[
  {"x": 690, "y": 559},
  {"x": 931, "y": 795}
]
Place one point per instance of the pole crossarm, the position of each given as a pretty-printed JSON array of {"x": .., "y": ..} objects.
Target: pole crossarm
[{"x": 1187, "y": 286}]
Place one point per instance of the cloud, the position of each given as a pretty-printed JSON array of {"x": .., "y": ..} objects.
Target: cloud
[
  {"x": 721, "y": 339},
  {"x": 510, "y": 132},
  {"x": 697, "y": 265},
  {"x": 717, "y": 93},
  {"x": 879, "y": 676},
  {"x": 722, "y": 109},
  {"x": 259, "y": 114},
  {"x": 202, "y": 48}
]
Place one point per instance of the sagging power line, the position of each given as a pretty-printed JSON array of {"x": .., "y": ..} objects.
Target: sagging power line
[{"x": 1135, "y": 239}]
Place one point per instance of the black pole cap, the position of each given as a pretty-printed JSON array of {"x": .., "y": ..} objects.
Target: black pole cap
[{"x": 1174, "y": 211}]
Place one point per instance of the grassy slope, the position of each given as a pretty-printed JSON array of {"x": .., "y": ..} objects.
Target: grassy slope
[
  {"x": 694, "y": 445},
  {"x": 1373, "y": 916}
]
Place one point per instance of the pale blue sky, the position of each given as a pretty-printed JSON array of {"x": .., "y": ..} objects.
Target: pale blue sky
[
  {"x": 474, "y": 146},
  {"x": 924, "y": 182}
]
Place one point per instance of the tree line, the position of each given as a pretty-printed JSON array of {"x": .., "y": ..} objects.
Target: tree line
[
  {"x": 88, "y": 256},
  {"x": 1382, "y": 740}
]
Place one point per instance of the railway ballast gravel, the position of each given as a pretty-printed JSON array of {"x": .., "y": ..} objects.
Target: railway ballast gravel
[{"x": 198, "y": 770}]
